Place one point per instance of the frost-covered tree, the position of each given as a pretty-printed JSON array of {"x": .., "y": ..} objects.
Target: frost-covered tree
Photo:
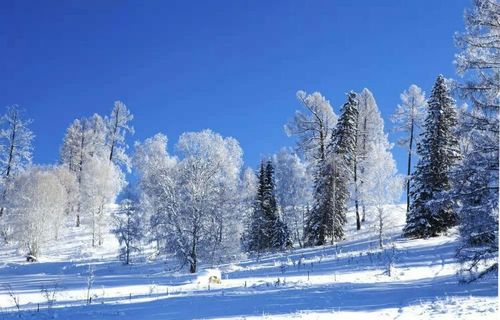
[
  {"x": 332, "y": 180},
  {"x": 36, "y": 207},
  {"x": 293, "y": 190},
  {"x": 84, "y": 139},
  {"x": 267, "y": 230},
  {"x": 128, "y": 227},
  {"x": 101, "y": 182},
  {"x": 476, "y": 178},
  {"x": 195, "y": 200},
  {"x": 208, "y": 178},
  {"x": 157, "y": 182},
  {"x": 15, "y": 147},
  {"x": 370, "y": 131},
  {"x": 314, "y": 127},
  {"x": 431, "y": 212},
  {"x": 383, "y": 186},
  {"x": 118, "y": 125},
  {"x": 408, "y": 119},
  {"x": 68, "y": 180},
  {"x": 248, "y": 190}
]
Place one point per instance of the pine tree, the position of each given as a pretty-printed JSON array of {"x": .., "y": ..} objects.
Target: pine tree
[
  {"x": 431, "y": 211},
  {"x": 334, "y": 175},
  {"x": 476, "y": 178},
  {"x": 267, "y": 230}
]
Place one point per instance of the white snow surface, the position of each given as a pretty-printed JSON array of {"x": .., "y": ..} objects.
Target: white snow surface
[{"x": 348, "y": 280}]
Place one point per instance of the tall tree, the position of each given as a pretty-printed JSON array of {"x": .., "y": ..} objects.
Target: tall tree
[
  {"x": 383, "y": 186},
  {"x": 194, "y": 201},
  {"x": 334, "y": 175},
  {"x": 476, "y": 178},
  {"x": 408, "y": 118},
  {"x": 430, "y": 211},
  {"x": 128, "y": 227},
  {"x": 293, "y": 190},
  {"x": 118, "y": 125},
  {"x": 370, "y": 131},
  {"x": 36, "y": 204},
  {"x": 314, "y": 127},
  {"x": 314, "y": 132},
  {"x": 267, "y": 230},
  {"x": 101, "y": 183},
  {"x": 84, "y": 139},
  {"x": 15, "y": 147}
]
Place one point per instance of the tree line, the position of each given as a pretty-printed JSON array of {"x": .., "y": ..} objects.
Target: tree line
[{"x": 201, "y": 204}]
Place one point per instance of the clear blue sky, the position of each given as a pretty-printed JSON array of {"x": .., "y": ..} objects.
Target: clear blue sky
[{"x": 232, "y": 66}]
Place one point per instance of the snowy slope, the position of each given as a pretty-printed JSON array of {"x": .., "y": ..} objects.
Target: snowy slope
[{"x": 349, "y": 280}]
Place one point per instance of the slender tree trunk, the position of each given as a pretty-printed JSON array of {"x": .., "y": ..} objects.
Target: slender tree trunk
[
  {"x": 410, "y": 147},
  {"x": 380, "y": 227},
  {"x": 365, "y": 125},
  {"x": 9, "y": 161},
  {"x": 192, "y": 267},
  {"x": 356, "y": 156},
  {"x": 356, "y": 200}
]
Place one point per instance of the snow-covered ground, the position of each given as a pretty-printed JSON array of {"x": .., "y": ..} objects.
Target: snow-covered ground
[{"x": 349, "y": 280}]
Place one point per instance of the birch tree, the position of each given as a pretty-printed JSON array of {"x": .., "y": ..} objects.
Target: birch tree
[{"x": 15, "y": 147}]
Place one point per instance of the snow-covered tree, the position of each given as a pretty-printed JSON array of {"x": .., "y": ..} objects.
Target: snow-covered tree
[
  {"x": 128, "y": 227},
  {"x": 370, "y": 131},
  {"x": 267, "y": 230},
  {"x": 84, "y": 139},
  {"x": 194, "y": 200},
  {"x": 157, "y": 182},
  {"x": 68, "y": 180},
  {"x": 118, "y": 125},
  {"x": 101, "y": 182},
  {"x": 293, "y": 190},
  {"x": 15, "y": 147},
  {"x": 431, "y": 212},
  {"x": 332, "y": 180},
  {"x": 314, "y": 127},
  {"x": 382, "y": 186},
  {"x": 36, "y": 207},
  {"x": 248, "y": 190},
  {"x": 408, "y": 119},
  {"x": 476, "y": 178},
  {"x": 206, "y": 226}
]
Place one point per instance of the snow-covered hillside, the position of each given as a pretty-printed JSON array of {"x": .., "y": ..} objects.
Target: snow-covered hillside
[{"x": 354, "y": 279}]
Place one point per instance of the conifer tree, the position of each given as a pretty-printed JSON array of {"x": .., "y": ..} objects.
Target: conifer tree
[
  {"x": 328, "y": 214},
  {"x": 431, "y": 212},
  {"x": 476, "y": 178},
  {"x": 267, "y": 230}
]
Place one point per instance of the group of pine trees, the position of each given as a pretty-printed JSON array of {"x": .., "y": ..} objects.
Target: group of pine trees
[{"x": 267, "y": 230}]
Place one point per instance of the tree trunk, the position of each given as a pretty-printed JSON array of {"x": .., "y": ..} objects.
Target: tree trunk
[
  {"x": 356, "y": 201},
  {"x": 380, "y": 228},
  {"x": 409, "y": 170},
  {"x": 192, "y": 261}
]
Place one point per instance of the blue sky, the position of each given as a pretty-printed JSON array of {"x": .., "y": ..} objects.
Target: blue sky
[{"x": 232, "y": 66}]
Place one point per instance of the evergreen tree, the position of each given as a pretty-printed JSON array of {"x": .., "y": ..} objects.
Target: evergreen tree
[
  {"x": 334, "y": 175},
  {"x": 476, "y": 178},
  {"x": 267, "y": 230},
  {"x": 431, "y": 212}
]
